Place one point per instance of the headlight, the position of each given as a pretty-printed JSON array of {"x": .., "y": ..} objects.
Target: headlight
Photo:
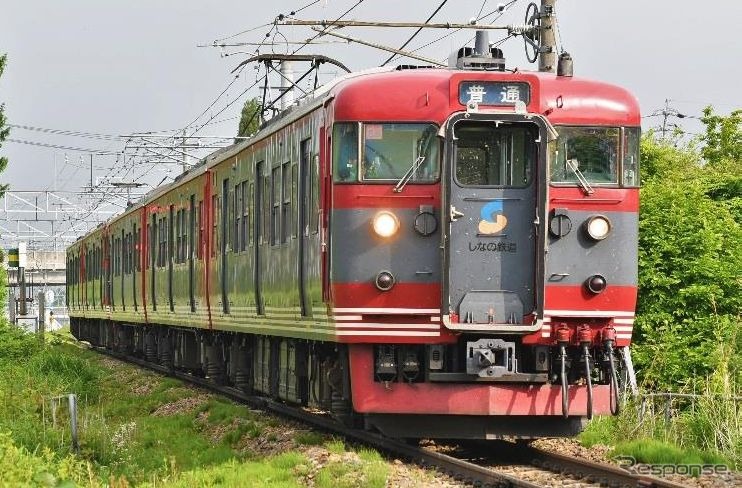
[
  {"x": 598, "y": 227},
  {"x": 385, "y": 224}
]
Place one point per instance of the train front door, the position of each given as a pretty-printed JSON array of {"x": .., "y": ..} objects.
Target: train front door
[{"x": 491, "y": 195}]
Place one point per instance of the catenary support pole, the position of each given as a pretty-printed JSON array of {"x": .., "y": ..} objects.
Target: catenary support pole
[{"x": 547, "y": 44}]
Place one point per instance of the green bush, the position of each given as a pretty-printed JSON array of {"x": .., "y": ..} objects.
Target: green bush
[
  {"x": 690, "y": 266},
  {"x": 16, "y": 344},
  {"x": 19, "y": 467}
]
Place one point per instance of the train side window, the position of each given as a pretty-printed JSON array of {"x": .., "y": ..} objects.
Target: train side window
[
  {"x": 116, "y": 256},
  {"x": 214, "y": 224},
  {"x": 314, "y": 199},
  {"x": 228, "y": 217},
  {"x": 251, "y": 215},
  {"x": 183, "y": 236},
  {"x": 631, "y": 139},
  {"x": 151, "y": 248},
  {"x": 237, "y": 211},
  {"x": 275, "y": 203},
  {"x": 294, "y": 198},
  {"x": 178, "y": 236},
  {"x": 169, "y": 236},
  {"x": 137, "y": 249},
  {"x": 125, "y": 255},
  {"x": 265, "y": 218},
  {"x": 163, "y": 242},
  {"x": 244, "y": 211},
  {"x": 200, "y": 227},
  {"x": 345, "y": 152},
  {"x": 286, "y": 202}
]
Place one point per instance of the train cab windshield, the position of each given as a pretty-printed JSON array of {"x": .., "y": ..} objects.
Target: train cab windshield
[
  {"x": 595, "y": 153},
  {"x": 386, "y": 152}
]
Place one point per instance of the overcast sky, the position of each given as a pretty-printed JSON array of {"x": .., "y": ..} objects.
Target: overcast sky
[{"x": 116, "y": 67}]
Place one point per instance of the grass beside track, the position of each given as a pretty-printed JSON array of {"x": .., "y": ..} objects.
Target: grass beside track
[{"x": 138, "y": 428}]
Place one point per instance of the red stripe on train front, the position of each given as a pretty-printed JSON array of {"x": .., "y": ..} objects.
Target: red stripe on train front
[
  {"x": 402, "y": 295},
  {"x": 383, "y": 196},
  {"x": 569, "y": 300},
  {"x": 601, "y": 201},
  {"x": 462, "y": 399}
]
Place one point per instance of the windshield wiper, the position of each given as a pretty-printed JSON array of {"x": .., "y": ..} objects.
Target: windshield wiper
[
  {"x": 408, "y": 174},
  {"x": 572, "y": 163}
]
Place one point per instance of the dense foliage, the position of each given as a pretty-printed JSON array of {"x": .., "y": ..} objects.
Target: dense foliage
[{"x": 690, "y": 259}]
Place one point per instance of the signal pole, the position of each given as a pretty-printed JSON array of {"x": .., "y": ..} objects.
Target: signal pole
[{"x": 547, "y": 37}]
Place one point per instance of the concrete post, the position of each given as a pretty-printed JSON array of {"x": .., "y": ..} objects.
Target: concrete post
[{"x": 547, "y": 57}]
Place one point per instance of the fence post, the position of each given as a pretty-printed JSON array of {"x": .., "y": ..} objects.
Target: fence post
[
  {"x": 72, "y": 398},
  {"x": 668, "y": 402}
]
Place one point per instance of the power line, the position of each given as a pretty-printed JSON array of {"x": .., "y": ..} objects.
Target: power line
[
  {"x": 501, "y": 10},
  {"x": 62, "y": 132},
  {"x": 66, "y": 148},
  {"x": 420, "y": 30},
  {"x": 253, "y": 29},
  {"x": 257, "y": 49}
]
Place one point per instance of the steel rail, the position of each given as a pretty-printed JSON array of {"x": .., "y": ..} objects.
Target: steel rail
[
  {"x": 457, "y": 468},
  {"x": 605, "y": 474}
]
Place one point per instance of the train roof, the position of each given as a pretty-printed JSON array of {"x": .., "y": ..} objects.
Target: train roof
[{"x": 431, "y": 94}]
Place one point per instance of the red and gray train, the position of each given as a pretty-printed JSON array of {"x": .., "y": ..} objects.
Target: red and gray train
[{"x": 432, "y": 253}]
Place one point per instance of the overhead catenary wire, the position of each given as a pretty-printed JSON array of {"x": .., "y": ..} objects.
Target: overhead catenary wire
[
  {"x": 237, "y": 75},
  {"x": 419, "y": 29},
  {"x": 66, "y": 148},
  {"x": 253, "y": 29},
  {"x": 257, "y": 82},
  {"x": 499, "y": 10}
]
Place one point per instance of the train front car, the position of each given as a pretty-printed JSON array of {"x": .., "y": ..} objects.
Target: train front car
[{"x": 483, "y": 248}]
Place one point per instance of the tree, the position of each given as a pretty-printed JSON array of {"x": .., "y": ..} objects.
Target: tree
[
  {"x": 250, "y": 118},
  {"x": 723, "y": 136},
  {"x": 4, "y": 131},
  {"x": 690, "y": 259}
]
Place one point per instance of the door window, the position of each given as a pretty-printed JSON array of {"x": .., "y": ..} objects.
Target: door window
[{"x": 495, "y": 155}]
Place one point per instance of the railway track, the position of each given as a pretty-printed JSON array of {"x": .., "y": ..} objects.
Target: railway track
[{"x": 479, "y": 465}]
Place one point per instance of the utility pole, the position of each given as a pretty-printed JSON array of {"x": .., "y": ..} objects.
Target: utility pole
[
  {"x": 185, "y": 155},
  {"x": 91, "y": 173},
  {"x": 547, "y": 38},
  {"x": 666, "y": 113}
]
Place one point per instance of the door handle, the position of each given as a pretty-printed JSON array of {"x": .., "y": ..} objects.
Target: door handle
[{"x": 455, "y": 214}]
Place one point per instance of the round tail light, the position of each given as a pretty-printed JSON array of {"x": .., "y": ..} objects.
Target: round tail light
[
  {"x": 596, "y": 284},
  {"x": 384, "y": 280}
]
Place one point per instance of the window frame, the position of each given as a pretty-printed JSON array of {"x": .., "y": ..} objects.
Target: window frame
[
  {"x": 360, "y": 151},
  {"x": 620, "y": 181},
  {"x": 534, "y": 160}
]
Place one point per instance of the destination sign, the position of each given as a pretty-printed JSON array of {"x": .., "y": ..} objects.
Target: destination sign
[{"x": 494, "y": 93}]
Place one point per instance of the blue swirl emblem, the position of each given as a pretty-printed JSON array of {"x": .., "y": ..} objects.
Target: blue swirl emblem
[{"x": 493, "y": 221}]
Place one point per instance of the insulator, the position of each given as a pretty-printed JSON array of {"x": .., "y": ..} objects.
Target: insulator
[{"x": 521, "y": 29}]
